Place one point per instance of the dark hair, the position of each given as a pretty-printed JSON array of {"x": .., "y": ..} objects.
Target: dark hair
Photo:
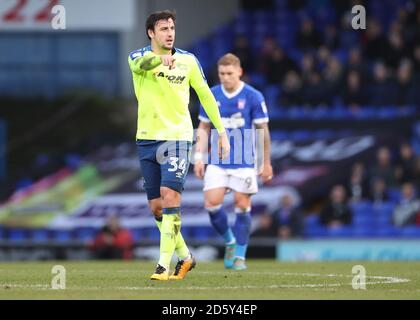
[{"x": 156, "y": 16}]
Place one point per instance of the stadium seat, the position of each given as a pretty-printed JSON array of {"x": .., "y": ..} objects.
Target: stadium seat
[
  {"x": 410, "y": 232},
  {"x": 40, "y": 235},
  {"x": 341, "y": 232},
  {"x": 137, "y": 234},
  {"x": 17, "y": 235},
  {"x": 203, "y": 233},
  {"x": 324, "y": 134},
  {"x": 394, "y": 195},
  {"x": 363, "y": 220},
  {"x": 318, "y": 231},
  {"x": 361, "y": 206},
  {"x": 85, "y": 234},
  {"x": 363, "y": 231},
  {"x": 388, "y": 232},
  {"x": 152, "y": 233},
  {"x": 311, "y": 221},
  {"x": 280, "y": 135},
  {"x": 62, "y": 235},
  {"x": 301, "y": 135}
]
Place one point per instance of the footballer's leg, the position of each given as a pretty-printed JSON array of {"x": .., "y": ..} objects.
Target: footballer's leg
[
  {"x": 151, "y": 172},
  {"x": 181, "y": 249},
  {"x": 215, "y": 182},
  {"x": 242, "y": 228},
  {"x": 244, "y": 182},
  {"x": 173, "y": 174}
]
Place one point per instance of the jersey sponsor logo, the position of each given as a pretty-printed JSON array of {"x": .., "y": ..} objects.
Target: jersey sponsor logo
[
  {"x": 234, "y": 122},
  {"x": 171, "y": 78}
]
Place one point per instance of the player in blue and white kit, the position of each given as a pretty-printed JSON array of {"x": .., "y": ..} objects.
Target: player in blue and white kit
[{"x": 243, "y": 110}]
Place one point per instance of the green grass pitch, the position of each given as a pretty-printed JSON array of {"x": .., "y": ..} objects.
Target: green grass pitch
[{"x": 263, "y": 280}]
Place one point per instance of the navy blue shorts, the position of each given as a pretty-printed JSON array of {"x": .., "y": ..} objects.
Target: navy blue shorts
[{"x": 163, "y": 164}]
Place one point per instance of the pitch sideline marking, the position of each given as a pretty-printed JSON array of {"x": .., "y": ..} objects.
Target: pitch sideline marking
[{"x": 381, "y": 280}]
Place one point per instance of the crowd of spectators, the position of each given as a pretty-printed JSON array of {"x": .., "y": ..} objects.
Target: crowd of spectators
[{"x": 379, "y": 66}]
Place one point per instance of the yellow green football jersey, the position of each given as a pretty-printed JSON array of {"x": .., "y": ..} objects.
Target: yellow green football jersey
[{"x": 163, "y": 95}]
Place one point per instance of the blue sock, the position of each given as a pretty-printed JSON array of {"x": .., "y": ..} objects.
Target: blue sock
[
  {"x": 219, "y": 221},
  {"x": 242, "y": 230}
]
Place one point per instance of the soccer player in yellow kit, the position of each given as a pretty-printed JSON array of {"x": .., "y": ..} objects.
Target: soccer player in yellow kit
[{"x": 162, "y": 76}]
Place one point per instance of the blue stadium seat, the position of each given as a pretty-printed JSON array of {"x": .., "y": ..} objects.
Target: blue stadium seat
[
  {"x": 324, "y": 134},
  {"x": 388, "y": 232},
  {"x": 40, "y": 235},
  {"x": 86, "y": 234},
  {"x": 271, "y": 94},
  {"x": 341, "y": 232},
  {"x": 301, "y": 135},
  {"x": 296, "y": 112},
  {"x": 361, "y": 206},
  {"x": 316, "y": 231},
  {"x": 203, "y": 233},
  {"x": 410, "y": 232},
  {"x": 18, "y": 235},
  {"x": 364, "y": 221},
  {"x": 311, "y": 221},
  {"x": 137, "y": 234},
  {"x": 152, "y": 233},
  {"x": 363, "y": 231},
  {"x": 394, "y": 195},
  {"x": 62, "y": 235},
  {"x": 384, "y": 209},
  {"x": 279, "y": 135}
]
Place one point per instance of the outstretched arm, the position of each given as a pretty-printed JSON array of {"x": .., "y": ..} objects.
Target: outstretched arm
[{"x": 150, "y": 61}]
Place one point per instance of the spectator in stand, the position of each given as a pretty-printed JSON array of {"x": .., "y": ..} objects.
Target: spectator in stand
[
  {"x": 314, "y": 91},
  {"x": 113, "y": 241},
  {"x": 353, "y": 94},
  {"x": 284, "y": 222},
  {"x": 376, "y": 43},
  {"x": 323, "y": 55},
  {"x": 357, "y": 187},
  {"x": 333, "y": 76},
  {"x": 291, "y": 93},
  {"x": 331, "y": 38},
  {"x": 278, "y": 64},
  {"x": 243, "y": 51},
  {"x": 288, "y": 219},
  {"x": 378, "y": 192},
  {"x": 383, "y": 90},
  {"x": 405, "y": 171},
  {"x": 307, "y": 66},
  {"x": 416, "y": 62},
  {"x": 396, "y": 48},
  {"x": 355, "y": 62},
  {"x": 408, "y": 89},
  {"x": 336, "y": 212},
  {"x": 408, "y": 210},
  {"x": 266, "y": 52},
  {"x": 383, "y": 167},
  {"x": 416, "y": 174},
  {"x": 307, "y": 37}
]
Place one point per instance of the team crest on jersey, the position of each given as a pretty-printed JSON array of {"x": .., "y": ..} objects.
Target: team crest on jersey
[{"x": 241, "y": 103}]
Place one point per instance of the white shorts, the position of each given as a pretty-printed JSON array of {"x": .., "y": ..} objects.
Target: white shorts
[{"x": 242, "y": 180}]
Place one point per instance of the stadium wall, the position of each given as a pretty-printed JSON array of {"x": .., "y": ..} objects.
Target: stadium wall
[{"x": 335, "y": 250}]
